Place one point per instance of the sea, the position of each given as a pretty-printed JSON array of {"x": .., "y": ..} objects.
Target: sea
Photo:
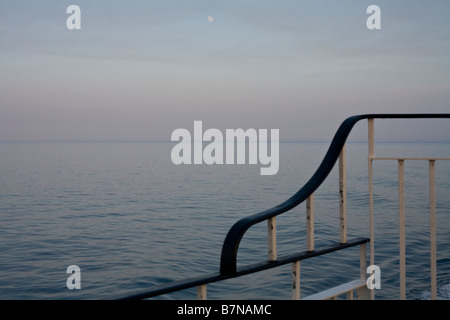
[{"x": 131, "y": 220}]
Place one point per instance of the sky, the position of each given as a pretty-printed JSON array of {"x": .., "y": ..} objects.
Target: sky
[{"x": 137, "y": 70}]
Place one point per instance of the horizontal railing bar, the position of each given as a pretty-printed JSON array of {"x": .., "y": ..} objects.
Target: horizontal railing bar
[
  {"x": 408, "y": 158},
  {"x": 178, "y": 286},
  {"x": 197, "y": 281},
  {"x": 337, "y": 291}
]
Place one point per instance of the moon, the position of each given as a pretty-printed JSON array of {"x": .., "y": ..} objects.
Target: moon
[{"x": 210, "y": 19}]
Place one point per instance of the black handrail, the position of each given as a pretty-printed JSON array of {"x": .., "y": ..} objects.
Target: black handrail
[
  {"x": 228, "y": 260},
  {"x": 249, "y": 269}
]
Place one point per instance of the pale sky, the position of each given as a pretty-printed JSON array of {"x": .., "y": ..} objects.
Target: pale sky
[{"x": 137, "y": 70}]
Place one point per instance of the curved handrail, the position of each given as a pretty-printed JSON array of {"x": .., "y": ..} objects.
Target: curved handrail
[{"x": 230, "y": 246}]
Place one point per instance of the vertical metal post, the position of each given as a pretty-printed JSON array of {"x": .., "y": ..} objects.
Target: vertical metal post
[
  {"x": 362, "y": 262},
  {"x": 363, "y": 293},
  {"x": 201, "y": 292},
  {"x": 371, "y": 222},
  {"x": 272, "y": 230},
  {"x": 371, "y": 219},
  {"x": 433, "y": 229},
  {"x": 310, "y": 223},
  {"x": 401, "y": 205},
  {"x": 371, "y": 137},
  {"x": 349, "y": 295},
  {"x": 342, "y": 198},
  {"x": 296, "y": 280}
]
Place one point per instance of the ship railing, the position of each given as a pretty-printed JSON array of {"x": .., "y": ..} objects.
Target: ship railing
[{"x": 358, "y": 288}]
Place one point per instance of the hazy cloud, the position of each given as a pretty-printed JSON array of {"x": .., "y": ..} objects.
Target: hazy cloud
[{"x": 139, "y": 70}]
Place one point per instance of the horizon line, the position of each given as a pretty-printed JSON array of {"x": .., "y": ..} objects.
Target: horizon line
[{"x": 176, "y": 142}]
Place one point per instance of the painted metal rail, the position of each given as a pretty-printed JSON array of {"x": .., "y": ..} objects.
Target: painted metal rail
[{"x": 336, "y": 152}]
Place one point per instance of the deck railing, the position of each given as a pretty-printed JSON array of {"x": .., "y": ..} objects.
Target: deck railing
[
  {"x": 336, "y": 152},
  {"x": 401, "y": 209}
]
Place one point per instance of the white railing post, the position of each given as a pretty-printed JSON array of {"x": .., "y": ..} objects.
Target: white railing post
[
  {"x": 201, "y": 292},
  {"x": 362, "y": 262},
  {"x": 433, "y": 230},
  {"x": 272, "y": 241},
  {"x": 310, "y": 223},
  {"x": 342, "y": 198},
  {"x": 363, "y": 293},
  {"x": 401, "y": 210},
  {"x": 296, "y": 280},
  {"x": 371, "y": 155},
  {"x": 371, "y": 221}
]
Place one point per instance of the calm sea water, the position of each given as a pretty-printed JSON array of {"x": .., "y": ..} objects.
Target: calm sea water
[{"x": 132, "y": 220}]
